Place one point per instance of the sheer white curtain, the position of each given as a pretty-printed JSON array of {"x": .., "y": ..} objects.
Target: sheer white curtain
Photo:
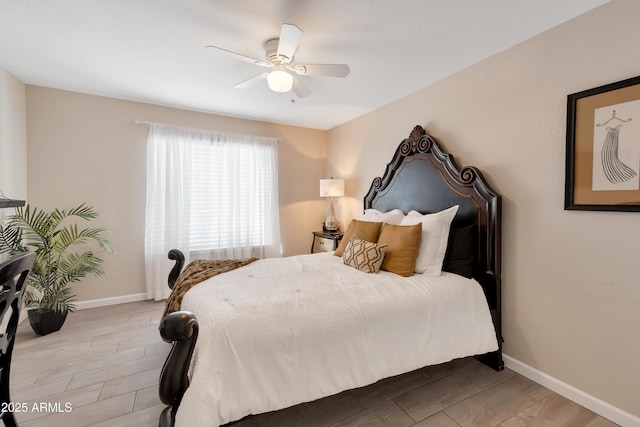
[{"x": 211, "y": 195}]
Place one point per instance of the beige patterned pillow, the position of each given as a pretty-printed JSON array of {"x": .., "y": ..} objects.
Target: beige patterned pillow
[{"x": 363, "y": 255}]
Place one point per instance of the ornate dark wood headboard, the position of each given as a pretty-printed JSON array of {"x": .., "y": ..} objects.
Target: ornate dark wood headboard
[{"x": 423, "y": 177}]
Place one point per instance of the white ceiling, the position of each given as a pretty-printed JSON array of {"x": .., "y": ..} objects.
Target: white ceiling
[{"x": 153, "y": 50}]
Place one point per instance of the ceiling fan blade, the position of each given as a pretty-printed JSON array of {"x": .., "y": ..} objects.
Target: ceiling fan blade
[
  {"x": 241, "y": 57},
  {"x": 252, "y": 81},
  {"x": 299, "y": 89},
  {"x": 290, "y": 37},
  {"x": 329, "y": 70}
]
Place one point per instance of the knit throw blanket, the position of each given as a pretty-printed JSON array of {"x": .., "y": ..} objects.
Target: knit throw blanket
[{"x": 198, "y": 271}]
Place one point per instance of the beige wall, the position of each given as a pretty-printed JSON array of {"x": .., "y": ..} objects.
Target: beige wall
[
  {"x": 85, "y": 148},
  {"x": 13, "y": 137},
  {"x": 571, "y": 287}
]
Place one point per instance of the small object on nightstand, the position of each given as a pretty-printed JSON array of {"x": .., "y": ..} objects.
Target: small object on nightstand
[{"x": 324, "y": 241}]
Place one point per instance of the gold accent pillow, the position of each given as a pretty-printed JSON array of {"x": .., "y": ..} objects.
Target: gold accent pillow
[
  {"x": 363, "y": 230},
  {"x": 363, "y": 255},
  {"x": 403, "y": 244}
]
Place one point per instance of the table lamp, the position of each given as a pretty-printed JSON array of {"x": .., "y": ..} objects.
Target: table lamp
[{"x": 331, "y": 188}]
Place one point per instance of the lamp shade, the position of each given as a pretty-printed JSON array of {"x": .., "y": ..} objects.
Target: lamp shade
[
  {"x": 331, "y": 187},
  {"x": 280, "y": 81}
]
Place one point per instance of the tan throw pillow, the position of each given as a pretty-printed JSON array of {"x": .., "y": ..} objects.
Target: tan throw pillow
[
  {"x": 363, "y": 255},
  {"x": 403, "y": 244},
  {"x": 363, "y": 230}
]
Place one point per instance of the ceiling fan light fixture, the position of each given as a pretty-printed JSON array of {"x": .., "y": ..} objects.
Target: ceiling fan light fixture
[
  {"x": 279, "y": 55},
  {"x": 280, "y": 81}
]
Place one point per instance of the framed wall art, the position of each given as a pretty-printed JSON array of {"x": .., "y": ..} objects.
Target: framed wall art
[{"x": 603, "y": 148}]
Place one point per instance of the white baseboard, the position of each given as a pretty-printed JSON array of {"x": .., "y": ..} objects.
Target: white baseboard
[
  {"x": 590, "y": 402},
  {"x": 102, "y": 302}
]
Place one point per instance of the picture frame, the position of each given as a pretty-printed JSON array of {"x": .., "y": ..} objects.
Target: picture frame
[{"x": 603, "y": 148}]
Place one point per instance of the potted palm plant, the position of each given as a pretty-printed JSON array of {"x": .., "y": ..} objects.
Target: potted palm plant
[{"x": 64, "y": 252}]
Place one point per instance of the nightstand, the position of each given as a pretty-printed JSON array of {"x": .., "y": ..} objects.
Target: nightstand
[{"x": 325, "y": 242}]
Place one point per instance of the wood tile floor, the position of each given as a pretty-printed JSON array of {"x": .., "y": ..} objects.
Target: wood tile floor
[{"x": 102, "y": 370}]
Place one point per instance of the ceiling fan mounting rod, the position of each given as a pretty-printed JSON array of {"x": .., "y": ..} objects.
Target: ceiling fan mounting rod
[{"x": 271, "y": 53}]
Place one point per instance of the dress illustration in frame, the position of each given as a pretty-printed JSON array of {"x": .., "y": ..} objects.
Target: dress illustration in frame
[{"x": 603, "y": 148}]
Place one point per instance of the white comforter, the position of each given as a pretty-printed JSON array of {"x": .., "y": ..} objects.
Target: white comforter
[{"x": 311, "y": 327}]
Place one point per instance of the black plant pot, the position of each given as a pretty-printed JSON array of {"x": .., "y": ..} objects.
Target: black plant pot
[{"x": 47, "y": 322}]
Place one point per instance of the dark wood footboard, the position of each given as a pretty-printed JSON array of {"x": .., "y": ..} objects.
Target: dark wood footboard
[
  {"x": 181, "y": 328},
  {"x": 177, "y": 256}
]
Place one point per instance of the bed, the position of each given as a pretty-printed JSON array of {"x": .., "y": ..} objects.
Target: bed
[{"x": 285, "y": 331}]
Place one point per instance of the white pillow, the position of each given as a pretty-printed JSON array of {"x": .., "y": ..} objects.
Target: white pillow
[
  {"x": 435, "y": 236},
  {"x": 392, "y": 217}
]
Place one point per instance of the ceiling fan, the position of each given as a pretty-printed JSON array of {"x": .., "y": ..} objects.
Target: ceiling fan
[{"x": 279, "y": 57}]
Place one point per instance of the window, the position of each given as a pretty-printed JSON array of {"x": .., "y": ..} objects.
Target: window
[
  {"x": 210, "y": 195},
  {"x": 232, "y": 190}
]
